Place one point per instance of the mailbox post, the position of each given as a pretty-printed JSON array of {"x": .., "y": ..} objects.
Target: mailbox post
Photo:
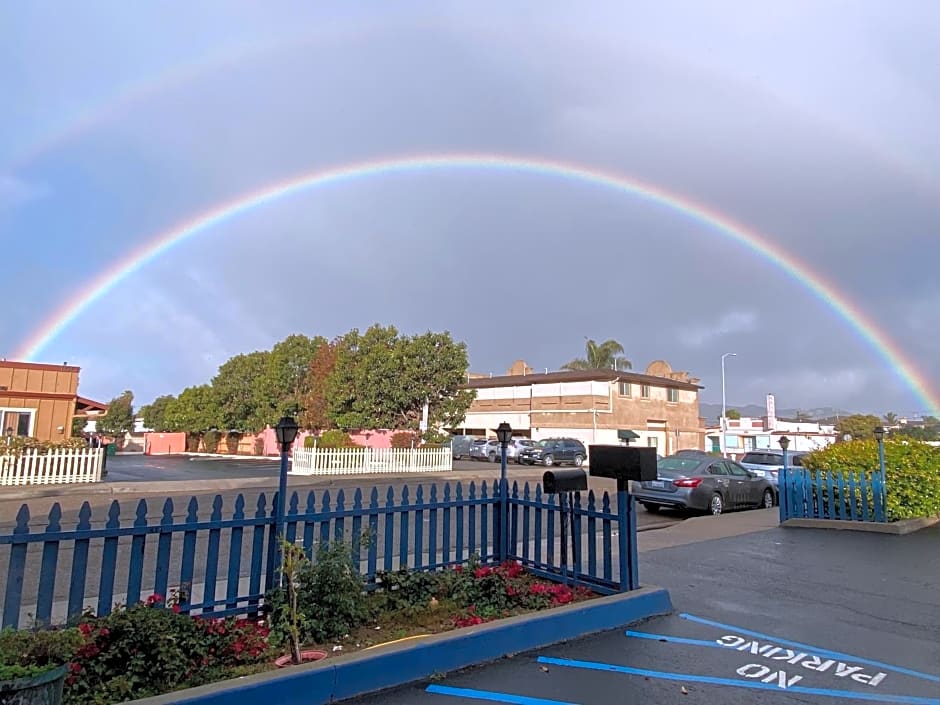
[
  {"x": 625, "y": 464},
  {"x": 565, "y": 483}
]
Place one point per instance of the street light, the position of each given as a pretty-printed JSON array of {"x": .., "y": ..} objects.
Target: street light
[
  {"x": 504, "y": 435},
  {"x": 285, "y": 432},
  {"x": 724, "y": 409},
  {"x": 880, "y": 437},
  {"x": 879, "y": 433}
]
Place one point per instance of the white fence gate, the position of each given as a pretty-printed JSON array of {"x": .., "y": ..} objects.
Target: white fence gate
[
  {"x": 52, "y": 467},
  {"x": 358, "y": 461}
]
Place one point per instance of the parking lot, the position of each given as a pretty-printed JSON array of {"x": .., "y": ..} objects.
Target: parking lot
[{"x": 781, "y": 616}]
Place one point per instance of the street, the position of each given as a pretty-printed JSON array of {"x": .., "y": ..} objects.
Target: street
[{"x": 783, "y": 616}]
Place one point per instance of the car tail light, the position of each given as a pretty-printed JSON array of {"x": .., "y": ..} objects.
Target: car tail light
[{"x": 688, "y": 482}]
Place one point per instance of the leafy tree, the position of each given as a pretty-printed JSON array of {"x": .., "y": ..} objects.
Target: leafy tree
[
  {"x": 600, "y": 356},
  {"x": 195, "y": 412},
  {"x": 858, "y": 426},
  {"x": 315, "y": 402},
  {"x": 891, "y": 419},
  {"x": 287, "y": 372},
  {"x": 78, "y": 425},
  {"x": 154, "y": 414},
  {"x": 120, "y": 417},
  {"x": 382, "y": 380},
  {"x": 244, "y": 402},
  {"x": 733, "y": 414}
]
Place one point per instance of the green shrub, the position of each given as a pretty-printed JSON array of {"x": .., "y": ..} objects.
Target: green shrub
[
  {"x": 211, "y": 441},
  {"x": 336, "y": 439},
  {"x": 231, "y": 442},
  {"x": 29, "y": 653},
  {"x": 310, "y": 442},
  {"x": 912, "y": 472},
  {"x": 259, "y": 446},
  {"x": 330, "y": 594},
  {"x": 404, "y": 439}
]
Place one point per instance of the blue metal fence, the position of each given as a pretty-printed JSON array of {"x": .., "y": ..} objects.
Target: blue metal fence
[
  {"x": 820, "y": 494},
  {"x": 224, "y": 563}
]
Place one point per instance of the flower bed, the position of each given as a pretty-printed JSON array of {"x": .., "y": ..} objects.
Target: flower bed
[{"x": 152, "y": 648}]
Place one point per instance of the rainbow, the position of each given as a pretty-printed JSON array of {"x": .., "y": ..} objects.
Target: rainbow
[{"x": 866, "y": 328}]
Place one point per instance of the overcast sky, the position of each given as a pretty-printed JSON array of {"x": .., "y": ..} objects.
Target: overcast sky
[{"x": 812, "y": 122}]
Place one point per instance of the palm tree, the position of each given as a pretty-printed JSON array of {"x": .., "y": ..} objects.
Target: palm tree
[
  {"x": 600, "y": 356},
  {"x": 891, "y": 418}
]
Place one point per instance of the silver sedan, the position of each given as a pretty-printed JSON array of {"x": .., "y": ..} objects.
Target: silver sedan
[{"x": 704, "y": 483}]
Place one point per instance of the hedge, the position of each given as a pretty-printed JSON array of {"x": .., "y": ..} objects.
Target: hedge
[{"x": 912, "y": 472}]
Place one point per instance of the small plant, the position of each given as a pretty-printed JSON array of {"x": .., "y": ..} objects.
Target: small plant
[
  {"x": 310, "y": 442},
  {"x": 211, "y": 441},
  {"x": 336, "y": 439},
  {"x": 292, "y": 558},
  {"x": 232, "y": 439},
  {"x": 405, "y": 439},
  {"x": 259, "y": 446},
  {"x": 30, "y": 653}
]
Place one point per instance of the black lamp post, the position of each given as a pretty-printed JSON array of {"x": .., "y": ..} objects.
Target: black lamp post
[
  {"x": 504, "y": 435},
  {"x": 782, "y": 483},
  {"x": 285, "y": 432},
  {"x": 880, "y": 437}
]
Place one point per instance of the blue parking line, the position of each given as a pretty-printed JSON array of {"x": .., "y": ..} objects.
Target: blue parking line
[
  {"x": 737, "y": 683},
  {"x": 668, "y": 638},
  {"x": 492, "y": 697},
  {"x": 808, "y": 647}
]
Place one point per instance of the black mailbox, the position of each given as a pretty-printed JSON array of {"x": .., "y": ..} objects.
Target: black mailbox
[
  {"x": 623, "y": 463},
  {"x": 556, "y": 481}
]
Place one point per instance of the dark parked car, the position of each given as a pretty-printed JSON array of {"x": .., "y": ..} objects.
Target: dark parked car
[
  {"x": 704, "y": 483},
  {"x": 554, "y": 451}
]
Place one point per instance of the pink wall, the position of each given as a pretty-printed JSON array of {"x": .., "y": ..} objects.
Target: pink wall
[{"x": 164, "y": 443}]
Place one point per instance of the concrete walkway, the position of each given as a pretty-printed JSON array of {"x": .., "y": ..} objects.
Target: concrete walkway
[{"x": 706, "y": 528}]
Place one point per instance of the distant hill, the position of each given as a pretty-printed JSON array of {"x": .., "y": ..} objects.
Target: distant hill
[{"x": 712, "y": 412}]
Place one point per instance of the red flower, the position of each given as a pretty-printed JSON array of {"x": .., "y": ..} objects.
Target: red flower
[
  {"x": 104, "y": 631},
  {"x": 176, "y": 609},
  {"x": 481, "y": 572},
  {"x": 155, "y": 599},
  {"x": 75, "y": 668},
  {"x": 85, "y": 628},
  {"x": 458, "y": 569}
]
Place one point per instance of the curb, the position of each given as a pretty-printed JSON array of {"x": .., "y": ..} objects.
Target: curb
[
  {"x": 896, "y": 528},
  {"x": 398, "y": 664}
]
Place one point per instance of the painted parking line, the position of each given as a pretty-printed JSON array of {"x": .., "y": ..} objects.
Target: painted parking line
[
  {"x": 806, "y": 647},
  {"x": 492, "y": 697},
  {"x": 738, "y": 683}
]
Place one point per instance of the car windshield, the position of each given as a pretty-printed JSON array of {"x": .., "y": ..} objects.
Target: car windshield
[{"x": 677, "y": 467}]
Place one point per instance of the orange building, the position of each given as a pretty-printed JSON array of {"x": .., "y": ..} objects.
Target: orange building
[{"x": 40, "y": 400}]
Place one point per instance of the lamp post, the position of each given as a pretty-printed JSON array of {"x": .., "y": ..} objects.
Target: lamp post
[
  {"x": 722, "y": 442},
  {"x": 880, "y": 437},
  {"x": 504, "y": 435},
  {"x": 286, "y": 432},
  {"x": 782, "y": 492}
]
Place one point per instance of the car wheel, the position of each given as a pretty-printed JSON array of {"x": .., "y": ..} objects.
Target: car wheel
[
  {"x": 716, "y": 505},
  {"x": 548, "y": 461},
  {"x": 768, "y": 501},
  {"x": 652, "y": 508},
  {"x": 578, "y": 461}
]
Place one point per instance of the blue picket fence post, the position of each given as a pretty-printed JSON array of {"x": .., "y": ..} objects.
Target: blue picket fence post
[{"x": 188, "y": 555}]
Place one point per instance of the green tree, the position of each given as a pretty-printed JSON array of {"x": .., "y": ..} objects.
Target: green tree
[
  {"x": 733, "y": 414},
  {"x": 858, "y": 426},
  {"x": 78, "y": 425},
  {"x": 600, "y": 356},
  {"x": 244, "y": 401},
  {"x": 382, "y": 380},
  {"x": 154, "y": 414},
  {"x": 194, "y": 412},
  {"x": 315, "y": 401},
  {"x": 287, "y": 369},
  {"x": 891, "y": 419},
  {"x": 120, "y": 417}
]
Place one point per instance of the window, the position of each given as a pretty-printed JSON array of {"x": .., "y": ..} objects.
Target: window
[
  {"x": 717, "y": 469},
  {"x": 626, "y": 389},
  {"x": 735, "y": 470},
  {"x": 645, "y": 391},
  {"x": 19, "y": 420},
  {"x": 652, "y": 442},
  {"x": 673, "y": 394}
]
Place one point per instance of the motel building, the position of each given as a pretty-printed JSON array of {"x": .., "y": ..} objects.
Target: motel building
[
  {"x": 40, "y": 400},
  {"x": 658, "y": 409}
]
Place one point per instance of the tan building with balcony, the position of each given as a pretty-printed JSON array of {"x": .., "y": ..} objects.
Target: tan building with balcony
[
  {"x": 40, "y": 400},
  {"x": 658, "y": 408}
]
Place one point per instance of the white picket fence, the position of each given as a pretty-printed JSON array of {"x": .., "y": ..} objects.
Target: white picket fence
[
  {"x": 359, "y": 461},
  {"x": 53, "y": 467}
]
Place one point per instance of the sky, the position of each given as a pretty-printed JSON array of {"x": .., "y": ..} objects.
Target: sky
[{"x": 812, "y": 123}]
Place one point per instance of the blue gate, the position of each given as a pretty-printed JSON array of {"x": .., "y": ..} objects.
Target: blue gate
[{"x": 823, "y": 494}]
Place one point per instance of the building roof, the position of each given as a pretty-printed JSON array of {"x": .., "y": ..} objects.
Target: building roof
[
  {"x": 84, "y": 405},
  {"x": 577, "y": 376},
  {"x": 38, "y": 366}
]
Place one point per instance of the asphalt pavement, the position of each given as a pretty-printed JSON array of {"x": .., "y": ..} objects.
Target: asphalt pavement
[{"x": 778, "y": 617}]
